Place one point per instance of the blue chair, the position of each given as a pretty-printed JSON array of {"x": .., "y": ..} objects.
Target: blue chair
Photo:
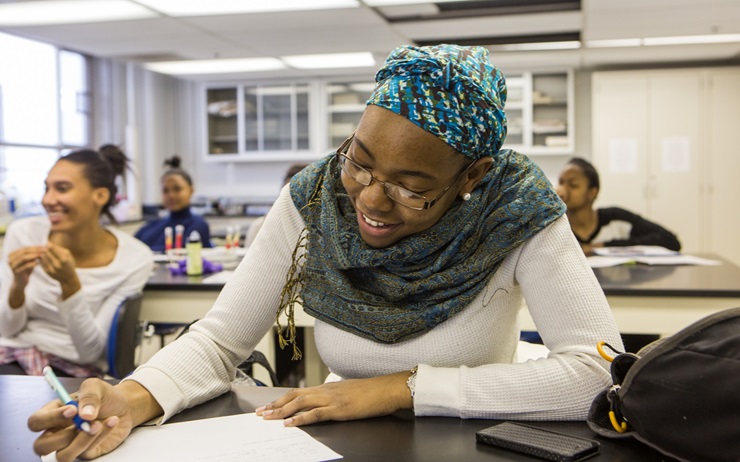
[{"x": 124, "y": 336}]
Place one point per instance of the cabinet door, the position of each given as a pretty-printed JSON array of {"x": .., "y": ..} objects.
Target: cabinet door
[
  {"x": 222, "y": 129},
  {"x": 345, "y": 107},
  {"x": 676, "y": 155},
  {"x": 619, "y": 133},
  {"x": 724, "y": 164}
]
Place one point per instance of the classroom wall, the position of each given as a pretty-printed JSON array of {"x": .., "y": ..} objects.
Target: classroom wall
[{"x": 155, "y": 116}]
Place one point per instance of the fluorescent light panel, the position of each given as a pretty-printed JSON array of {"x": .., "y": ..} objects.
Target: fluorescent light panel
[
  {"x": 375, "y": 3},
  {"x": 215, "y": 66},
  {"x": 216, "y": 7},
  {"x": 537, "y": 46},
  {"x": 330, "y": 61},
  {"x": 657, "y": 41},
  {"x": 70, "y": 12}
]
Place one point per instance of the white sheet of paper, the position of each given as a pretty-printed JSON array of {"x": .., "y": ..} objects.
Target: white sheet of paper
[
  {"x": 223, "y": 439},
  {"x": 634, "y": 251},
  {"x": 598, "y": 261},
  {"x": 678, "y": 260},
  {"x": 604, "y": 261}
]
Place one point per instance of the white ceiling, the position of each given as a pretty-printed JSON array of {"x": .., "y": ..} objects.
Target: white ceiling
[{"x": 370, "y": 29}]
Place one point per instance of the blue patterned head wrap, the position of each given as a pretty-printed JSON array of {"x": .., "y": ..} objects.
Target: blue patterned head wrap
[
  {"x": 396, "y": 293},
  {"x": 450, "y": 91}
]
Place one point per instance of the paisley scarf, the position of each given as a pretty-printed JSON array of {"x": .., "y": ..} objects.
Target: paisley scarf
[{"x": 399, "y": 292}]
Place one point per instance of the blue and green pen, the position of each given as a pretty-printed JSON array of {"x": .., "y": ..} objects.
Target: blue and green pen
[{"x": 56, "y": 385}]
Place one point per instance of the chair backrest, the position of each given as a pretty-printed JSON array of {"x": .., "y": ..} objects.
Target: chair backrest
[{"x": 124, "y": 337}]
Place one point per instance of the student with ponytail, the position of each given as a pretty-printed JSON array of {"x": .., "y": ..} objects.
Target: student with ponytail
[
  {"x": 64, "y": 274},
  {"x": 177, "y": 189}
]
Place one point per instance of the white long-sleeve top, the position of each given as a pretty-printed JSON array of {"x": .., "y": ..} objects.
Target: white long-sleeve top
[
  {"x": 75, "y": 329},
  {"x": 465, "y": 363}
]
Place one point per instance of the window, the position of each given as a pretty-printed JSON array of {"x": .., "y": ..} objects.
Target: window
[{"x": 44, "y": 111}]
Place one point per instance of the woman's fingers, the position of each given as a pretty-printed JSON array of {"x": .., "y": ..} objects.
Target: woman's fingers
[
  {"x": 70, "y": 443},
  {"x": 52, "y": 415},
  {"x": 345, "y": 400}
]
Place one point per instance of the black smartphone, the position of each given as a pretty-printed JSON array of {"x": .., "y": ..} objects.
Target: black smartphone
[{"x": 538, "y": 442}]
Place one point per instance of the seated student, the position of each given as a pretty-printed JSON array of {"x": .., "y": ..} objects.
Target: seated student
[
  {"x": 64, "y": 275},
  {"x": 412, "y": 246},
  {"x": 578, "y": 186},
  {"x": 177, "y": 189},
  {"x": 257, "y": 222}
]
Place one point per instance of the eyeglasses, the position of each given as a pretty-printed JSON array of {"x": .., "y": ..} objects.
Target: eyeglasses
[{"x": 394, "y": 192}]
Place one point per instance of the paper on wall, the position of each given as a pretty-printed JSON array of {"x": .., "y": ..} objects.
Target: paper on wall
[
  {"x": 623, "y": 155},
  {"x": 675, "y": 154}
]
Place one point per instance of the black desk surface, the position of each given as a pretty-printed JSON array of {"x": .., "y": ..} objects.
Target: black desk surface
[
  {"x": 162, "y": 279},
  {"x": 627, "y": 280},
  {"x": 671, "y": 280},
  {"x": 399, "y": 437}
]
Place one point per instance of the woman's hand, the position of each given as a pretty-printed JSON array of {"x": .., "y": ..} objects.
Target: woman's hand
[
  {"x": 346, "y": 400},
  {"x": 22, "y": 262},
  {"x": 59, "y": 263},
  {"x": 588, "y": 249},
  {"x": 111, "y": 410}
]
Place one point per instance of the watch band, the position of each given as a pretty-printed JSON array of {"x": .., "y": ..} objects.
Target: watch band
[{"x": 411, "y": 381}]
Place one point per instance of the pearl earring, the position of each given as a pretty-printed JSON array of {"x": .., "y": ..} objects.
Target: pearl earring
[{"x": 466, "y": 197}]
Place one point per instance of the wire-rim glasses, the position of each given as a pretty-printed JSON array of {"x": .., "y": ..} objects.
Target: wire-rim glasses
[{"x": 396, "y": 193}]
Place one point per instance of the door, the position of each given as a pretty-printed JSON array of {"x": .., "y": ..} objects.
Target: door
[
  {"x": 619, "y": 133},
  {"x": 723, "y": 224},
  {"x": 676, "y": 153}
]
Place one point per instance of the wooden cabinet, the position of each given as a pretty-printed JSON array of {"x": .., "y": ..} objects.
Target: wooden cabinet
[
  {"x": 663, "y": 144},
  {"x": 540, "y": 113},
  {"x": 245, "y": 121}
]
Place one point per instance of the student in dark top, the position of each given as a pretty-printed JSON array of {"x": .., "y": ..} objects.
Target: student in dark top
[
  {"x": 578, "y": 186},
  {"x": 177, "y": 189}
]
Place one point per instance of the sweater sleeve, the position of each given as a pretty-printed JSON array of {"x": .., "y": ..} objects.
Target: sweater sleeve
[
  {"x": 88, "y": 326},
  {"x": 201, "y": 364},
  {"x": 571, "y": 314},
  {"x": 643, "y": 232},
  {"x": 12, "y": 320}
]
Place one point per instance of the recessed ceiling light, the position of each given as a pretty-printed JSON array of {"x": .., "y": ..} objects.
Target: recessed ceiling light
[
  {"x": 70, "y": 12},
  {"x": 537, "y": 46},
  {"x": 332, "y": 60},
  {"x": 215, "y": 66},
  {"x": 404, "y": 2},
  {"x": 691, "y": 39},
  {"x": 215, "y": 7},
  {"x": 657, "y": 41}
]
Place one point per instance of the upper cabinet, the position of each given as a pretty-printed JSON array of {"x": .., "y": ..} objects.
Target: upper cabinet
[
  {"x": 303, "y": 121},
  {"x": 540, "y": 113},
  {"x": 257, "y": 122},
  {"x": 221, "y": 104},
  {"x": 346, "y": 102}
]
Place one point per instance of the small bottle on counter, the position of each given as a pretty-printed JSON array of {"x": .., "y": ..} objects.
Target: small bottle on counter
[{"x": 194, "y": 262}]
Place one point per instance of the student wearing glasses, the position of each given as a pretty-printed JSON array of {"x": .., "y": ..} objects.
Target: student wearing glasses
[{"x": 412, "y": 246}]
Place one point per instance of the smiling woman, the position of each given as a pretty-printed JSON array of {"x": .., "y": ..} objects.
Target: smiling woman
[
  {"x": 64, "y": 275},
  {"x": 412, "y": 247}
]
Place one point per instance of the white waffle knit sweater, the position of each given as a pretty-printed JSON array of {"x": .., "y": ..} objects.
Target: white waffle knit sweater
[{"x": 465, "y": 364}]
